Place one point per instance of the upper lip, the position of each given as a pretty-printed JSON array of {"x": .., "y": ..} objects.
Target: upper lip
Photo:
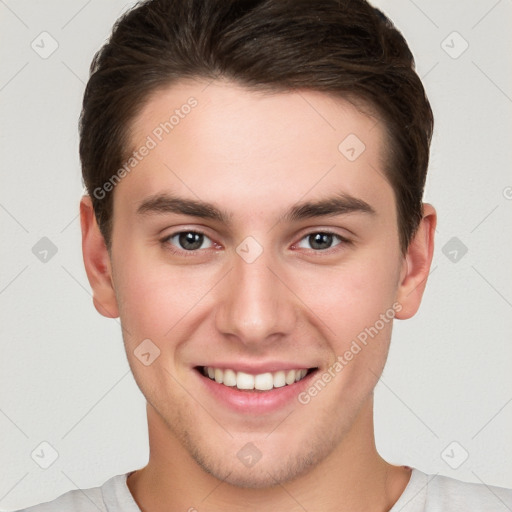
[{"x": 258, "y": 368}]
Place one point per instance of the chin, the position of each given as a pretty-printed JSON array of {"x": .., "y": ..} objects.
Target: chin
[
  {"x": 263, "y": 475},
  {"x": 279, "y": 463}
]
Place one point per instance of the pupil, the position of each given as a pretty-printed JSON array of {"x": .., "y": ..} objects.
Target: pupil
[
  {"x": 320, "y": 240},
  {"x": 190, "y": 241}
]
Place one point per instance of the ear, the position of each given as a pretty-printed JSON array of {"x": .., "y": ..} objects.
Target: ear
[
  {"x": 97, "y": 262},
  {"x": 416, "y": 265}
]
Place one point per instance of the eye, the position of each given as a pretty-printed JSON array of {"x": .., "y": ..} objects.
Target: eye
[
  {"x": 189, "y": 240},
  {"x": 321, "y": 241}
]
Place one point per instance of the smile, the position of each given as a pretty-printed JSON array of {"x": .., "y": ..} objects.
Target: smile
[{"x": 260, "y": 382}]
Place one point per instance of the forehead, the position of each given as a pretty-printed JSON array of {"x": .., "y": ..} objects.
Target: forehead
[{"x": 222, "y": 142}]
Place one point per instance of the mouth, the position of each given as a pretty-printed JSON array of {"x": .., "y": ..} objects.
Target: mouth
[{"x": 261, "y": 382}]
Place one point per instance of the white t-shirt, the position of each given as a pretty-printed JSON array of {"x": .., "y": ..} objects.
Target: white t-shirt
[{"x": 424, "y": 493}]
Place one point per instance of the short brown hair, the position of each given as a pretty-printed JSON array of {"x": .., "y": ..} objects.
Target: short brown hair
[{"x": 345, "y": 48}]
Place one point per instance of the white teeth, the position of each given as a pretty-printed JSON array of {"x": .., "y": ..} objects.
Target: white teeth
[
  {"x": 279, "y": 379},
  {"x": 300, "y": 374},
  {"x": 229, "y": 378},
  {"x": 262, "y": 382},
  {"x": 244, "y": 380},
  {"x": 290, "y": 377}
]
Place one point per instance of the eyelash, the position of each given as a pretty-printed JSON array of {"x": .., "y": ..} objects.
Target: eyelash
[{"x": 165, "y": 242}]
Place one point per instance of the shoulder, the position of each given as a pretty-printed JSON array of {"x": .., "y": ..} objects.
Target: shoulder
[
  {"x": 437, "y": 493},
  {"x": 95, "y": 499},
  {"x": 472, "y": 496},
  {"x": 79, "y": 500}
]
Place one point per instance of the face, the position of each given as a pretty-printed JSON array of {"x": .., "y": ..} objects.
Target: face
[{"x": 255, "y": 243}]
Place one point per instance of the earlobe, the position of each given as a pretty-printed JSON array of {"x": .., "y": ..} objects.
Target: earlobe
[
  {"x": 97, "y": 262},
  {"x": 416, "y": 266}
]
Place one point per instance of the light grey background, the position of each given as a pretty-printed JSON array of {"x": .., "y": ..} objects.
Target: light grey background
[{"x": 64, "y": 378}]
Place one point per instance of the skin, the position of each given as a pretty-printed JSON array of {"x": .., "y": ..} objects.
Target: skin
[{"x": 255, "y": 156}]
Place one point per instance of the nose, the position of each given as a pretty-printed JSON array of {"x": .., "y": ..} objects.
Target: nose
[{"x": 256, "y": 306}]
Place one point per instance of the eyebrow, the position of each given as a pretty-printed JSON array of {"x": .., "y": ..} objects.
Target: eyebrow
[{"x": 340, "y": 204}]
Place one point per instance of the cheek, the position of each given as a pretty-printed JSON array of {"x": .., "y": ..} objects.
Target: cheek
[
  {"x": 357, "y": 313},
  {"x": 351, "y": 297},
  {"x": 149, "y": 296},
  {"x": 155, "y": 298}
]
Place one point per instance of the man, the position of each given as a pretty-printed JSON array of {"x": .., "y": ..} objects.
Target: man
[{"x": 255, "y": 173}]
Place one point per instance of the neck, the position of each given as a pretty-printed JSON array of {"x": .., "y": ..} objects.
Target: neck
[{"x": 352, "y": 478}]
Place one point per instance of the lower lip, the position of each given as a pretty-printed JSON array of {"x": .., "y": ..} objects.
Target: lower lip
[{"x": 255, "y": 402}]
